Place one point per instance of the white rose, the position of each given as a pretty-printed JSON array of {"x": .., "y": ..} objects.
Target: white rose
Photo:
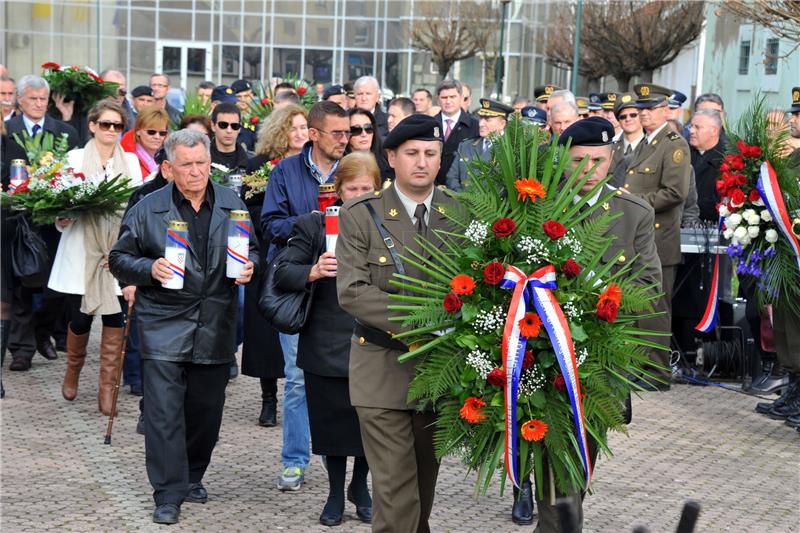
[
  {"x": 754, "y": 220},
  {"x": 765, "y": 216},
  {"x": 759, "y": 202},
  {"x": 747, "y": 213},
  {"x": 734, "y": 220},
  {"x": 728, "y": 233},
  {"x": 771, "y": 235},
  {"x": 752, "y": 231},
  {"x": 744, "y": 241},
  {"x": 740, "y": 233},
  {"x": 723, "y": 210}
]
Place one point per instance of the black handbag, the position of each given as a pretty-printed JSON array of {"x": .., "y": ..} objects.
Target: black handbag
[
  {"x": 29, "y": 257},
  {"x": 287, "y": 311}
]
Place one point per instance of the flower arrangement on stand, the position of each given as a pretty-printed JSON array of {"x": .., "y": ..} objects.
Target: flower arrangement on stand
[
  {"x": 256, "y": 182},
  {"x": 81, "y": 84},
  {"x": 525, "y": 341}
]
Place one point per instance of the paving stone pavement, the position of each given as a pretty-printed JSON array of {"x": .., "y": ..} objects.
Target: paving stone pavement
[{"x": 697, "y": 443}]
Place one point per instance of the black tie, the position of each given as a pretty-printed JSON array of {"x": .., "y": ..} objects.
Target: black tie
[
  {"x": 419, "y": 214},
  {"x": 628, "y": 150},
  {"x": 35, "y": 129}
]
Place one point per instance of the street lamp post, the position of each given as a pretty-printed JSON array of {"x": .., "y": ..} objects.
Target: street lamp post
[
  {"x": 576, "y": 54},
  {"x": 499, "y": 74}
]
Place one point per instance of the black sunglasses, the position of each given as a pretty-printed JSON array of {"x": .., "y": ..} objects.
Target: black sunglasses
[
  {"x": 358, "y": 130},
  {"x": 224, "y": 125},
  {"x": 629, "y": 115},
  {"x": 160, "y": 133},
  {"x": 106, "y": 125}
]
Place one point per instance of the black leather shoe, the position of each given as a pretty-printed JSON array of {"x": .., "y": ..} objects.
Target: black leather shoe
[
  {"x": 363, "y": 512},
  {"x": 269, "y": 414},
  {"x": 20, "y": 364},
  {"x": 522, "y": 512},
  {"x": 136, "y": 389},
  {"x": 140, "y": 424},
  {"x": 771, "y": 384},
  {"x": 790, "y": 409},
  {"x": 167, "y": 513},
  {"x": 197, "y": 493},
  {"x": 48, "y": 351},
  {"x": 766, "y": 407},
  {"x": 793, "y": 421},
  {"x": 331, "y": 517}
]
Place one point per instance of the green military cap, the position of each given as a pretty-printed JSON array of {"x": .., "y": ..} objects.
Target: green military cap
[
  {"x": 543, "y": 92},
  {"x": 624, "y": 101},
  {"x": 583, "y": 105},
  {"x": 493, "y": 108},
  {"x": 649, "y": 95},
  {"x": 795, "y": 100},
  {"x": 608, "y": 100}
]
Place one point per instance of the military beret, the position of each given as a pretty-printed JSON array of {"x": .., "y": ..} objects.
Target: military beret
[
  {"x": 676, "y": 99},
  {"x": 223, "y": 93},
  {"x": 543, "y": 92},
  {"x": 649, "y": 95},
  {"x": 608, "y": 100},
  {"x": 595, "y": 99},
  {"x": 795, "y": 100},
  {"x": 582, "y": 103},
  {"x": 414, "y": 127},
  {"x": 624, "y": 101},
  {"x": 591, "y": 131},
  {"x": 333, "y": 90},
  {"x": 533, "y": 114},
  {"x": 493, "y": 108},
  {"x": 141, "y": 90},
  {"x": 240, "y": 86}
]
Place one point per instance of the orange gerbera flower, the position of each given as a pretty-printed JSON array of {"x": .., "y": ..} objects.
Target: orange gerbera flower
[
  {"x": 533, "y": 430},
  {"x": 462, "y": 284},
  {"x": 612, "y": 293},
  {"x": 472, "y": 410},
  {"x": 529, "y": 188},
  {"x": 530, "y": 325}
]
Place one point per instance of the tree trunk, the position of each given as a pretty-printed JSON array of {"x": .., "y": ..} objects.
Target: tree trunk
[
  {"x": 444, "y": 66},
  {"x": 623, "y": 81},
  {"x": 593, "y": 85},
  {"x": 646, "y": 76}
]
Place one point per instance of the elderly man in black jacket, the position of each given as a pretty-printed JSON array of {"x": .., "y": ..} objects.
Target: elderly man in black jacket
[{"x": 186, "y": 335}]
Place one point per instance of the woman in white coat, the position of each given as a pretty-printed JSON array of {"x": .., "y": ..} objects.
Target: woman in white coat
[{"x": 80, "y": 269}]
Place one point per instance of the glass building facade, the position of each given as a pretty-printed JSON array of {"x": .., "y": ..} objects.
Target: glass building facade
[{"x": 328, "y": 41}]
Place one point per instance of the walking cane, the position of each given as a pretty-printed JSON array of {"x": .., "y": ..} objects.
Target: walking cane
[{"x": 119, "y": 374}]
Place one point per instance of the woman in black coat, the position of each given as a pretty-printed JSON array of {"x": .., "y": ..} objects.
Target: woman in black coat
[{"x": 324, "y": 346}]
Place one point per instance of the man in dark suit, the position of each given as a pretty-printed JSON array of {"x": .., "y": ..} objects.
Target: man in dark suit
[
  {"x": 456, "y": 125},
  {"x": 31, "y": 330},
  {"x": 368, "y": 96}
]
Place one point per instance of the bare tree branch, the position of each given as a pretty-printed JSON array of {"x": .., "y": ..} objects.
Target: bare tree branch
[{"x": 781, "y": 17}]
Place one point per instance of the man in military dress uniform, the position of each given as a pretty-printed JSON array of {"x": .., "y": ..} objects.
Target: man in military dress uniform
[
  {"x": 373, "y": 232},
  {"x": 660, "y": 174},
  {"x": 631, "y": 135},
  {"x": 542, "y": 94},
  {"x": 492, "y": 120}
]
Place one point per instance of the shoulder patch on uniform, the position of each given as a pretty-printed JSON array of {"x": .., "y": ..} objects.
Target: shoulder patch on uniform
[
  {"x": 673, "y": 136},
  {"x": 677, "y": 156}
]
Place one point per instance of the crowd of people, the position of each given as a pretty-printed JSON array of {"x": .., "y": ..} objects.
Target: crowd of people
[{"x": 345, "y": 394}]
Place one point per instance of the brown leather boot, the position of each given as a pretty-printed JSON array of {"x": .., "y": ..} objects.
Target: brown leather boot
[
  {"x": 76, "y": 355},
  {"x": 110, "y": 363}
]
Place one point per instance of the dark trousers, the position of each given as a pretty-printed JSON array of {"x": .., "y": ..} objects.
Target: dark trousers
[
  {"x": 663, "y": 324},
  {"x": 32, "y": 320},
  {"x": 400, "y": 444},
  {"x": 182, "y": 416}
]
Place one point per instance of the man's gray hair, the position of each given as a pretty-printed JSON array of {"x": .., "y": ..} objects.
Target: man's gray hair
[
  {"x": 364, "y": 80},
  {"x": 159, "y": 75},
  {"x": 713, "y": 114},
  {"x": 31, "y": 81},
  {"x": 566, "y": 95},
  {"x": 709, "y": 97},
  {"x": 7, "y": 78},
  {"x": 449, "y": 84},
  {"x": 186, "y": 137},
  {"x": 564, "y": 105}
]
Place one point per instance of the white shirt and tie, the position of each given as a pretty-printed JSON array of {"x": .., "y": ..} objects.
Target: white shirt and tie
[
  {"x": 630, "y": 146},
  {"x": 449, "y": 123},
  {"x": 32, "y": 127}
]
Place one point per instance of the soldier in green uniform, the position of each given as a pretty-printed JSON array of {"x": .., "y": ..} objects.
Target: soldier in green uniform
[
  {"x": 634, "y": 243},
  {"x": 660, "y": 174},
  {"x": 373, "y": 232},
  {"x": 492, "y": 119},
  {"x": 542, "y": 94}
]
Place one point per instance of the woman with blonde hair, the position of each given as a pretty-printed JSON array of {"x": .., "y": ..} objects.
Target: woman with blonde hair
[
  {"x": 80, "y": 270},
  {"x": 146, "y": 137},
  {"x": 283, "y": 134}
]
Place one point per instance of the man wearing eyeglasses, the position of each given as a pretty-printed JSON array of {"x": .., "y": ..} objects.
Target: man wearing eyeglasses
[
  {"x": 226, "y": 122},
  {"x": 293, "y": 190},
  {"x": 626, "y": 143}
]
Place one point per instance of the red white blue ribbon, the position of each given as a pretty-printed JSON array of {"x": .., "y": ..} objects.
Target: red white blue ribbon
[
  {"x": 537, "y": 289},
  {"x": 709, "y": 319},
  {"x": 770, "y": 191}
]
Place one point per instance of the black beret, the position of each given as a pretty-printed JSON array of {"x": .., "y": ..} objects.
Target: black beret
[
  {"x": 141, "y": 90},
  {"x": 533, "y": 114},
  {"x": 223, "y": 93},
  {"x": 493, "y": 108},
  {"x": 591, "y": 131},
  {"x": 160, "y": 156},
  {"x": 676, "y": 99},
  {"x": 414, "y": 127},
  {"x": 333, "y": 90},
  {"x": 240, "y": 86}
]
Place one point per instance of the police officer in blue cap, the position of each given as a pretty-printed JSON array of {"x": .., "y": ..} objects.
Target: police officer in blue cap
[{"x": 675, "y": 104}]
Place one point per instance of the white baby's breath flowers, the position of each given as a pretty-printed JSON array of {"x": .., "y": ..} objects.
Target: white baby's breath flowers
[
  {"x": 477, "y": 232},
  {"x": 489, "y": 321},
  {"x": 479, "y": 361},
  {"x": 536, "y": 250}
]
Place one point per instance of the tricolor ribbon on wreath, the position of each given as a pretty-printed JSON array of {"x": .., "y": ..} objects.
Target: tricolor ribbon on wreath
[
  {"x": 709, "y": 319},
  {"x": 536, "y": 290},
  {"x": 770, "y": 191}
]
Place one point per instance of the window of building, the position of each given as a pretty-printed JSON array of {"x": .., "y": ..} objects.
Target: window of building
[
  {"x": 771, "y": 61},
  {"x": 230, "y": 61},
  {"x": 744, "y": 57}
]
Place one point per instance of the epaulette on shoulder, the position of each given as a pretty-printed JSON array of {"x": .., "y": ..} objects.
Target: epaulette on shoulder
[
  {"x": 364, "y": 198},
  {"x": 673, "y": 136},
  {"x": 633, "y": 199}
]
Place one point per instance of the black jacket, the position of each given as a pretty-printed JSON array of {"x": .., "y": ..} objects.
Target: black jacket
[
  {"x": 382, "y": 121},
  {"x": 466, "y": 128},
  {"x": 158, "y": 182},
  {"x": 15, "y": 151},
  {"x": 197, "y": 323},
  {"x": 706, "y": 172},
  {"x": 324, "y": 344}
]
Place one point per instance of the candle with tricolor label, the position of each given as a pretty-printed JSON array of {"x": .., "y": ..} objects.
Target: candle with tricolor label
[
  {"x": 331, "y": 227},
  {"x": 175, "y": 252},
  {"x": 238, "y": 243},
  {"x": 18, "y": 173}
]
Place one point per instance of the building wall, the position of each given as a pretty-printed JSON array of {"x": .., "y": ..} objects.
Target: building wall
[{"x": 328, "y": 41}]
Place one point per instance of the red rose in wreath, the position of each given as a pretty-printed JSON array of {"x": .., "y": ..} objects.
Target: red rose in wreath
[
  {"x": 554, "y": 230},
  {"x": 452, "y": 303},
  {"x": 571, "y": 268},
  {"x": 493, "y": 273},
  {"x": 301, "y": 91},
  {"x": 497, "y": 377},
  {"x": 504, "y": 227}
]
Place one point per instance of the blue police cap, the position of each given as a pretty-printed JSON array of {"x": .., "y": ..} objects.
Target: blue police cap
[
  {"x": 591, "y": 131},
  {"x": 414, "y": 127},
  {"x": 676, "y": 99},
  {"x": 223, "y": 93},
  {"x": 333, "y": 90},
  {"x": 595, "y": 99},
  {"x": 533, "y": 114}
]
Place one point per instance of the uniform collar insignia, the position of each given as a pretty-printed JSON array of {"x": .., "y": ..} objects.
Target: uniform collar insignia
[{"x": 393, "y": 212}]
